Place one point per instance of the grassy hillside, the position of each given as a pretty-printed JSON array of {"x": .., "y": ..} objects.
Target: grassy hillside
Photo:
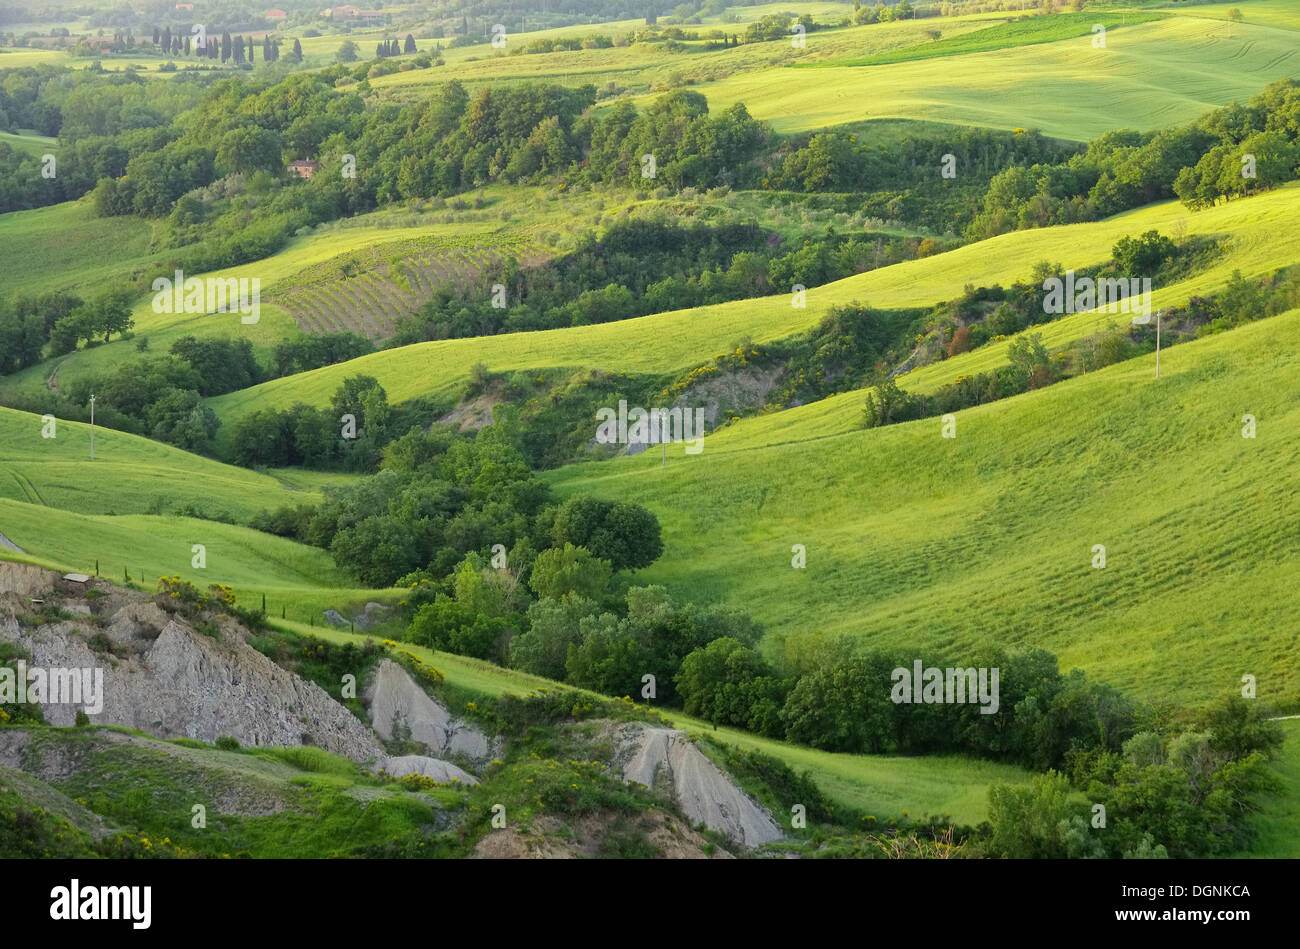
[
  {"x": 646, "y": 66},
  {"x": 940, "y": 543},
  {"x": 28, "y": 142},
  {"x": 1148, "y": 76},
  {"x": 1263, "y": 228},
  {"x": 299, "y": 578},
  {"x": 1040, "y": 29},
  {"x": 134, "y": 475},
  {"x": 65, "y": 246},
  {"x": 1261, "y": 243}
]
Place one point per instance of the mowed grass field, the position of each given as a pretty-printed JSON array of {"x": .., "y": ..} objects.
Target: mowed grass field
[
  {"x": 1149, "y": 76},
  {"x": 65, "y": 246},
  {"x": 881, "y": 785},
  {"x": 135, "y": 475},
  {"x": 921, "y": 542},
  {"x": 1265, "y": 236},
  {"x": 300, "y": 579},
  {"x": 1268, "y": 12}
]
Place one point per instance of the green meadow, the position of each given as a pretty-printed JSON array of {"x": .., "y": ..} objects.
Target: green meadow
[
  {"x": 1277, "y": 825},
  {"x": 28, "y": 142},
  {"x": 299, "y": 579},
  {"x": 1043, "y": 29},
  {"x": 913, "y": 539},
  {"x": 136, "y": 475},
  {"x": 1149, "y": 76}
]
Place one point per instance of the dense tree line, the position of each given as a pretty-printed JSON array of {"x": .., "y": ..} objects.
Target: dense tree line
[{"x": 535, "y": 132}]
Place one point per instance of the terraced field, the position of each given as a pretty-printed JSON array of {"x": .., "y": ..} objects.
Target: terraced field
[
  {"x": 368, "y": 291},
  {"x": 47, "y": 246}
]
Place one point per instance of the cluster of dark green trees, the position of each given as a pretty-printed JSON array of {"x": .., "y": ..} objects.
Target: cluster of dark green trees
[
  {"x": 159, "y": 395},
  {"x": 440, "y": 498},
  {"x": 350, "y": 434},
  {"x": 28, "y": 323},
  {"x": 385, "y": 48},
  {"x": 226, "y": 48},
  {"x": 1172, "y": 790}
]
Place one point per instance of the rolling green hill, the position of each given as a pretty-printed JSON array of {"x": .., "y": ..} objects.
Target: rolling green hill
[
  {"x": 134, "y": 475},
  {"x": 1149, "y": 76},
  {"x": 301, "y": 579},
  {"x": 914, "y": 539},
  {"x": 1264, "y": 230}
]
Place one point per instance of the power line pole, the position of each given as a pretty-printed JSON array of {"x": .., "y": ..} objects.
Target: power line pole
[{"x": 92, "y": 428}]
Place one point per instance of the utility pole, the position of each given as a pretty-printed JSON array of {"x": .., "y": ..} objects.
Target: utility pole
[
  {"x": 92, "y": 428},
  {"x": 1145, "y": 318}
]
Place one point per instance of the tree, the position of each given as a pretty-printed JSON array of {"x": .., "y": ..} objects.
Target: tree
[
  {"x": 842, "y": 703},
  {"x": 377, "y": 550},
  {"x": 1028, "y": 820},
  {"x": 247, "y": 148},
  {"x": 1143, "y": 256},
  {"x": 347, "y": 52},
  {"x": 552, "y": 626},
  {"x": 887, "y": 403},
  {"x": 297, "y": 51},
  {"x": 409, "y": 46},
  {"x": 560, "y": 571},
  {"x": 625, "y": 534}
]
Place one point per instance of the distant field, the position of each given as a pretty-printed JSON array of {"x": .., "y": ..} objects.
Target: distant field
[
  {"x": 28, "y": 142},
  {"x": 134, "y": 475},
  {"x": 11, "y": 58},
  {"x": 1149, "y": 76},
  {"x": 1018, "y": 33},
  {"x": 1283, "y": 13},
  {"x": 369, "y": 290},
  {"x": 932, "y": 543},
  {"x": 651, "y": 65}
]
